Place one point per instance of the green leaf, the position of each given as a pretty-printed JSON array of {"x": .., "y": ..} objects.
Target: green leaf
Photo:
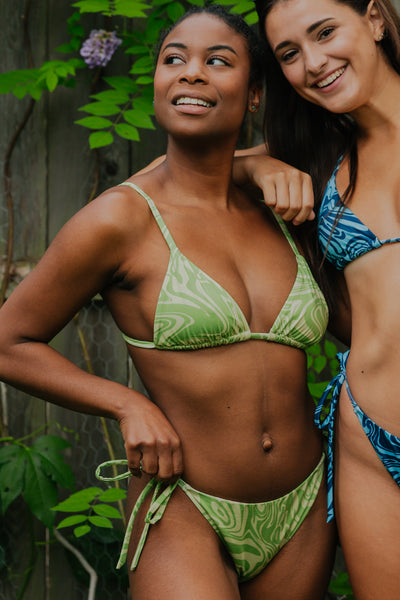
[
  {"x": 72, "y": 520},
  {"x": 12, "y": 476},
  {"x": 105, "y": 510},
  {"x": 314, "y": 350},
  {"x": 152, "y": 32},
  {"x": 319, "y": 363},
  {"x": 94, "y": 122},
  {"x": 101, "y": 522},
  {"x": 175, "y": 11},
  {"x": 251, "y": 18},
  {"x": 51, "y": 81},
  {"x": 11, "y": 452},
  {"x": 143, "y": 65},
  {"x": 112, "y": 495},
  {"x": 330, "y": 349},
  {"x": 89, "y": 6},
  {"x": 196, "y": 2},
  {"x": 113, "y": 96},
  {"x": 50, "y": 442},
  {"x": 127, "y": 132},
  {"x": 82, "y": 530},
  {"x": 130, "y": 9},
  {"x": 317, "y": 389},
  {"x": 144, "y": 80},
  {"x": 242, "y": 7},
  {"x": 341, "y": 585},
  {"x": 39, "y": 492},
  {"x": 137, "y": 50},
  {"x": 121, "y": 83},
  {"x": 100, "y": 139},
  {"x": 55, "y": 467},
  {"x": 138, "y": 118},
  {"x": 104, "y": 109},
  {"x": 144, "y": 104},
  {"x": 79, "y": 501}
]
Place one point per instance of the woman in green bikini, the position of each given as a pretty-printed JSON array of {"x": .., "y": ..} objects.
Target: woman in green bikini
[{"x": 217, "y": 305}]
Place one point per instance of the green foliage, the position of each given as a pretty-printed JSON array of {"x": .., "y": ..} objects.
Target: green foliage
[
  {"x": 321, "y": 361},
  {"x": 34, "y": 472},
  {"x": 90, "y": 506},
  {"x": 341, "y": 585},
  {"x": 126, "y": 107}
]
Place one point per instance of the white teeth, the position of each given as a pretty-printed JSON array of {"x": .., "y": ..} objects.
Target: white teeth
[
  {"x": 330, "y": 79},
  {"x": 198, "y": 101}
]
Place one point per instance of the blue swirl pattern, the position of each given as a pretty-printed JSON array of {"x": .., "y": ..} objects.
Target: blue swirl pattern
[
  {"x": 342, "y": 236},
  {"x": 385, "y": 444}
]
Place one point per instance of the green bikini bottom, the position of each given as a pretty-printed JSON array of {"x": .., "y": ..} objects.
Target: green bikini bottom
[{"x": 252, "y": 533}]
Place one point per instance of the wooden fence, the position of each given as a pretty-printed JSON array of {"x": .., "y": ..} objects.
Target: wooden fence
[{"x": 48, "y": 173}]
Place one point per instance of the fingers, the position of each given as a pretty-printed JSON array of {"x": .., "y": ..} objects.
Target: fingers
[
  {"x": 161, "y": 458},
  {"x": 288, "y": 191}
]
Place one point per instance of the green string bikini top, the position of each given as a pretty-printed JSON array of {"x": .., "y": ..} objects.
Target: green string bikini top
[{"x": 194, "y": 311}]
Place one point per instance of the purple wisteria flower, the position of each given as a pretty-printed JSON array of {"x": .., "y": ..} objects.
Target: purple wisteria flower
[{"x": 98, "y": 49}]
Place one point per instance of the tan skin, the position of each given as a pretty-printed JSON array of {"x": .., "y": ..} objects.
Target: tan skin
[
  {"x": 313, "y": 39},
  {"x": 234, "y": 421}
]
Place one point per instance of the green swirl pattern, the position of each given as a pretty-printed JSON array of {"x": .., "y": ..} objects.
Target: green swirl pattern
[
  {"x": 253, "y": 533},
  {"x": 194, "y": 311}
]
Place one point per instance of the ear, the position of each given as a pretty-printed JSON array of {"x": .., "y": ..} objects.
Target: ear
[
  {"x": 254, "y": 98},
  {"x": 375, "y": 21}
]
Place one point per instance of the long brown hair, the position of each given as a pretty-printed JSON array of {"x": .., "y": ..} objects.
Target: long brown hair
[{"x": 310, "y": 137}]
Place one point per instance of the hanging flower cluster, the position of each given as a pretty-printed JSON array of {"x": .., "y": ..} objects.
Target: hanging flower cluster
[{"x": 98, "y": 49}]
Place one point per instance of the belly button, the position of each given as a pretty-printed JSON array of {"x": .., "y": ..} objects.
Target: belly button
[{"x": 266, "y": 442}]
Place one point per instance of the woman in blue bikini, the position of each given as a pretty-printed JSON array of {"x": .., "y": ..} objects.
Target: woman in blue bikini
[
  {"x": 333, "y": 98},
  {"x": 217, "y": 305}
]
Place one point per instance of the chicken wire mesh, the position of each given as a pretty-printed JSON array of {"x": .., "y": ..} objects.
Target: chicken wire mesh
[{"x": 93, "y": 342}]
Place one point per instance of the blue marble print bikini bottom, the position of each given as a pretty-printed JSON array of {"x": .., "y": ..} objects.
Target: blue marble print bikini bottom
[{"x": 385, "y": 444}]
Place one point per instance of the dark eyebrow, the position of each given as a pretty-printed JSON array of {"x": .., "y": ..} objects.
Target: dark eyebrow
[
  {"x": 174, "y": 45},
  {"x": 211, "y": 48},
  {"x": 222, "y": 47},
  {"x": 309, "y": 30}
]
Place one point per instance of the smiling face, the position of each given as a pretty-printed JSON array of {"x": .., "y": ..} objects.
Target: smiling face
[
  {"x": 201, "y": 82},
  {"x": 328, "y": 52}
]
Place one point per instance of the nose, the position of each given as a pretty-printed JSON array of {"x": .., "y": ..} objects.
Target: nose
[
  {"x": 193, "y": 72},
  {"x": 314, "y": 59}
]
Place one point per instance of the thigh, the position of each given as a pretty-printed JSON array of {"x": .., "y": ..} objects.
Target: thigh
[
  {"x": 302, "y": 569},
  {"x": 367, "y": 507},
  {"x": 182, "y": 558}
]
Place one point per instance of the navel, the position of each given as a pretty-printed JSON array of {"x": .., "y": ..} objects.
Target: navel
[{"x": 266, "y": 442}]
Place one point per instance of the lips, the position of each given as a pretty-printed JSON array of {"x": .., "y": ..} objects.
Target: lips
[
  {"x": 323, "y": 83},
  {"x": 189, "y": 101}
]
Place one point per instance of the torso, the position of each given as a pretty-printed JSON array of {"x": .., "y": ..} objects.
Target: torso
[
  {"x": 223, "y": 400},
  {"x": 373, "y": 281}
]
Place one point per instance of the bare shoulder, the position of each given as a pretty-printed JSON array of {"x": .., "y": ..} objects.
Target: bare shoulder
[{"x": 117, "y": 216}]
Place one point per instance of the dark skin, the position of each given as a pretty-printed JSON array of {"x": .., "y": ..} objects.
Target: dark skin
[{"x": 235, "y": 421}]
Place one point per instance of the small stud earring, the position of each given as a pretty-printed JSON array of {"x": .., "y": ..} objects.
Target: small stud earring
[
  {"x": 253, "y": 108},
  {"x": 381, "y": 36}
]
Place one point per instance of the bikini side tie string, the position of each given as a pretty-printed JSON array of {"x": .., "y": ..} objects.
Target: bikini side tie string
[
  {"x": 328, "y": 423},
  {"x": 154, "y": 514}
]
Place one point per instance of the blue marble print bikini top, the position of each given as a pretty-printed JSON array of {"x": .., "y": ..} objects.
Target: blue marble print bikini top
[
  {"x": 343, "y": 237},
  {"x": 194, "y": 311}
]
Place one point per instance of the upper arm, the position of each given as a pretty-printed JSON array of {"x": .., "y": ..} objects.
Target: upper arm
[{"x": 80, "y": 261}]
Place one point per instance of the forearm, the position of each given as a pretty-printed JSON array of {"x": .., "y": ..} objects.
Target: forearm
[{"x": 39, "y": 370}]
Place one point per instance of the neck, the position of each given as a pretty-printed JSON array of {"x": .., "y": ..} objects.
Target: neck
[
  {"x": 380, "y": 117},
  {"x": 202, "y": 170}
]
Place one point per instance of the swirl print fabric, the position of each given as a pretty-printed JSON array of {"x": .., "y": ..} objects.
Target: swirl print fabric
[
  {"x": 342, "y": 236},
  {"x": 253, "y": 533},
  {"x": 385, "y": 444}
]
